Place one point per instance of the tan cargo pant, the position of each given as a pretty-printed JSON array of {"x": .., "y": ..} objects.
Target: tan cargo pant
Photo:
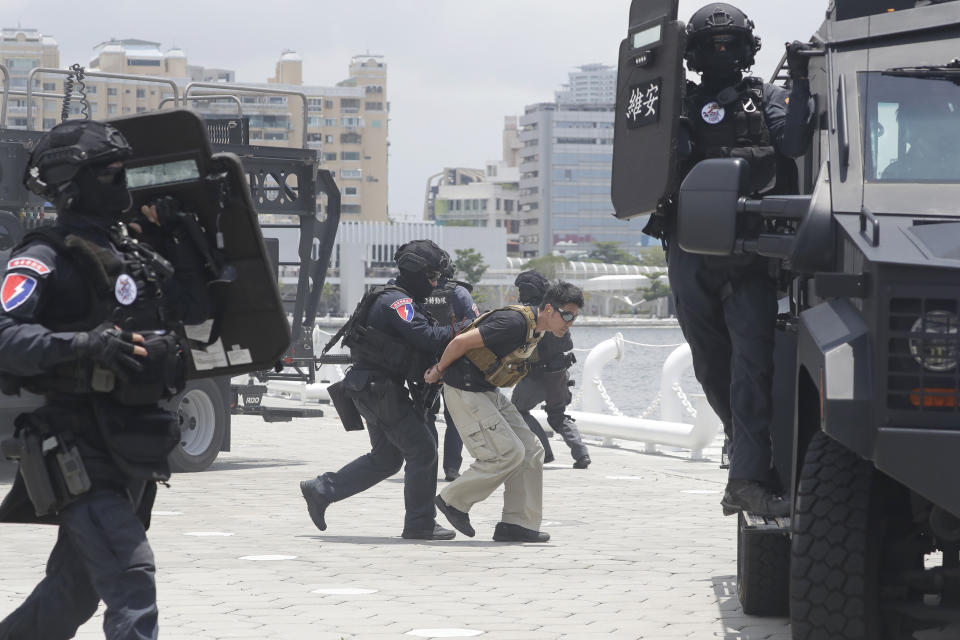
[{"x": 505, "y": 452}]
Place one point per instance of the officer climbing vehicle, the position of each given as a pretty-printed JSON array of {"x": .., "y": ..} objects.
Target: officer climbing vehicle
[
  {"x": 864, "y": 236},
  {"x": 244, "y": 197}
]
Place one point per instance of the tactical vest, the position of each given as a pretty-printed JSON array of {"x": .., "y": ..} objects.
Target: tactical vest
[
  {"x": 732, "y": 125},
  {"x": 373, "y": 347},
  {"x": 164, "y": 368},
  {"x": 511, "y": 368},
  {"x": 439, "y": 303}
]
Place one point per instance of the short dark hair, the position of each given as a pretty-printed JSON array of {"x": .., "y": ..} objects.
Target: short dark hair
[{"x": 562, "y": 293}]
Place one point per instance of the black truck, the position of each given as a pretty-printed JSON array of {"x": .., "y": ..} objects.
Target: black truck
[
  {"x": 286, "y": 184},
  {"x": 866, "y": 434}
]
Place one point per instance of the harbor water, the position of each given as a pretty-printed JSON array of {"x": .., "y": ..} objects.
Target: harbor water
[{"x": 633, "y": 382}]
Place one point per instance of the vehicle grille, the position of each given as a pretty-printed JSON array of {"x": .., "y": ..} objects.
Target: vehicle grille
[{"x": 923, "y": 331}]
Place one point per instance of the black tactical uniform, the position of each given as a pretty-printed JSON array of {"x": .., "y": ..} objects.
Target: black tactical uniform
[
  {"x": 548, "y": 380},
  {"x": 727, "y": 306},
  {"x": 65, "y": 288},
  {"x": 450, "y": 303},
  {"x": 393, "y": 341}
]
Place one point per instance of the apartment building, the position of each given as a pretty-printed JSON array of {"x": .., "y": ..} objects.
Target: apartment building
[
  {"x": 565, "y": 157},
  {"x": 347, "y": 124}
]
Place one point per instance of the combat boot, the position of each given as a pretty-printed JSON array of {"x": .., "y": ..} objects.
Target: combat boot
[
  {"x": 317, "y": 503},
  {"x": 752, "y": 496}
]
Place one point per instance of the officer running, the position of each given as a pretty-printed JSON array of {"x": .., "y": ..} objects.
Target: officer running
[
  {"x": 87, "y": 320},
  {"x": 392, "y": 340},
  {"x": 548, "y": 380},
  {"x": 492, "y": 353},
  {"x": 450, "y": 303},
  {"x": 727, "y": 306}
]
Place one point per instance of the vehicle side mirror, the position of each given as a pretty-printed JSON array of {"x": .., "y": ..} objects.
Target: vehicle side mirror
[{"x": 707, "y": 209}]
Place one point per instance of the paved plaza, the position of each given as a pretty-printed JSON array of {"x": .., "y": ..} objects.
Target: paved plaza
[{"x": 639, "y": 549}]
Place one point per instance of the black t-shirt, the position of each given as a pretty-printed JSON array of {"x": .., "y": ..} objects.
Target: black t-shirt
[{"x": 502, "y": 331}]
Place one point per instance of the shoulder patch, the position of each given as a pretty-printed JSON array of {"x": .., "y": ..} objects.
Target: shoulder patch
[
  {"x": 712, "y": 112},
  {"x": 30, "y": 264},
  {"x": 16, "y": 289},
  {"x": 404, "y": 308}
]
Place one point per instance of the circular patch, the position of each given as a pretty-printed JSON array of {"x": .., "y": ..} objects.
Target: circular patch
[
  {"x": 125, "y": 290},
  {"x": 712, "y": 113}
]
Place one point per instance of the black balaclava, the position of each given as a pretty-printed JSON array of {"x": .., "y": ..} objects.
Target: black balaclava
[
  {"x": 415, "y": 260},
  {"x": 102, "y": 192}
]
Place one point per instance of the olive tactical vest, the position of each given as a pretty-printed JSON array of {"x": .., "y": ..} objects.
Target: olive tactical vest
[{"x": 511, "y": 368}]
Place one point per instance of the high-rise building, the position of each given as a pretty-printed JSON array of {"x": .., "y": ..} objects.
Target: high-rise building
[
  {"x": 347, "y": 124},
  {"x": 566, "y": 152},
  {"x": 592, "y": 84}
]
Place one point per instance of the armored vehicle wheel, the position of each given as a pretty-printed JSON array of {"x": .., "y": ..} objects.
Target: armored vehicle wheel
[
  {"x": 763, "y": 571},
  {"x": 843, "y": 554},
  {"x": 203, "y": 426}
]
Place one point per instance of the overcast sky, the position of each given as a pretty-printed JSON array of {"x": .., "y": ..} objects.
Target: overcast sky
[{"x": 455, "y": 68}]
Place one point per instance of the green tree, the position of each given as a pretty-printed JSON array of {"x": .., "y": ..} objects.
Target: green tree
[
  {"x": 470, "y": 263},
  {"x": 610, "y": 252},
  {"x": 658, "y": 288},
  {"x": 548, "y": 266},
  {"x": 653, "y": 257}
]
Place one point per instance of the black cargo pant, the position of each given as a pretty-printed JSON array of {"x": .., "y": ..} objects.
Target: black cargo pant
[
  {"x": 101, "y": 553},
  {"x": 452, "y": 442},
  {"x": 727, "y": 309},
  {"x": 398, "y": 433},
  {"x": 550, "y": 387}
]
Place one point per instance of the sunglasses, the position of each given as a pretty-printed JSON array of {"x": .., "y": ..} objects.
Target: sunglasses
[{"x": 567, "y": 316}]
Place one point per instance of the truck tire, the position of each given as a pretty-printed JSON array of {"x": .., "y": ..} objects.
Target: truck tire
[
  {"x": 763, "y": 571},
  {"x": 202, "y": 413},
  {"x": 847, "y": 517}
]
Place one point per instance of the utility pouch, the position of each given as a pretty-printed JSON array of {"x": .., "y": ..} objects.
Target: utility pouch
[
  {"x": 164, "y": 373},
  {"x": 346, "y": 409}
]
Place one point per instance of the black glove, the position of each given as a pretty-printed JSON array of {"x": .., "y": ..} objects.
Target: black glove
[
  {"x": 797, "y": 62},
  {"x": 109, "y": 347},
  {"x": 569, "y": 359}
]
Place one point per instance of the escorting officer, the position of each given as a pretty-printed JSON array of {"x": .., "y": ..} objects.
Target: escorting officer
[
  {"x": 493, "y": 353},
  {"x": 89, "y": 320},
  {"x": 548, "y": 379},
  {"x": 392, "y": 340},
  {"x": 450, "y": 304},
  {"x": 727, "y": 306}
]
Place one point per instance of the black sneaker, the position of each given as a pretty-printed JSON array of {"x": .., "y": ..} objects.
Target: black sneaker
[
  {"x": 450, "y": 474},
  {"x": 582, "y": 463},
  {"x": 505, "y": 532},
  {"x": 459, "y": 519},
  {"x": 437, "y": 533},
  {"x": 754, "y": 497},
  {"x": 317, "y": 503}
]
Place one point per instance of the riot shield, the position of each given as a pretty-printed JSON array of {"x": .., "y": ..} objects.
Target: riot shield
[
  {"x": 171, "y": 157},
  {"x": 650, "y": 82}
]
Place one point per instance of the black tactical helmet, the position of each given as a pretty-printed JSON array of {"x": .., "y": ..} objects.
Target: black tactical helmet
[
  {"x": 66, "y": 149},
  {"x": 720, "y": 21},
  {"x": 421, "y": 255},
  {"x": 449, "y": 271},
  {"x": 532, "y": 286}
]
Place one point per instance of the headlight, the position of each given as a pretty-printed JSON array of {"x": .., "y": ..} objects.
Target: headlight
[{"x": 933, "y": 341}]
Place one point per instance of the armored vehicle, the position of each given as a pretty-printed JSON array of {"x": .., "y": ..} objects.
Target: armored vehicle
[
  {"x": 288, "y": 194},
  {"x": 867, "y": 387}
]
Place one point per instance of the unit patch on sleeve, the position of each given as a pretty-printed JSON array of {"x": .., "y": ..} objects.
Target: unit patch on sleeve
[
  {"x": 404, "y": 309},
  {"x": 16, "y": 289},
  {"x": 30, "y": 264}
]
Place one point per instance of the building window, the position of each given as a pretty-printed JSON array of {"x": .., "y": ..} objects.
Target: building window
[
  {"x": 376, "y": 124},
  {"x": 329, "y": 139},
  {"x": 350, "y": 155},
  {"x": 350, "y": 191},
  {"x": 141, "y": 109},
  {"x": 350, "y": 208},
  {"x": 350, "y": 138},
  {"x": 111, "y": 91},
  {"x": 49, "y": 86},
  {"x": 143, "y": 63},
  {"x": 330, "y": 157},
  {"x": 49, "y": 123},
  {"x": 111, "y": 109},
  {"x": 374, "y": 106},
  {"x": 351, "y": 121},
  {"x": 328, "y": 104},
  {"x": 141, "y": 93},
  {"x": 329, "y": 122},
  {"x": 349, "y": 105},
  {"x": 351, "y": 174}
]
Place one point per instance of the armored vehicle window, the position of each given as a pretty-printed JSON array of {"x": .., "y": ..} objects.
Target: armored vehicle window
[
  {"x": 912, "y": 129},
  {"x": 165, "y": 173}
]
